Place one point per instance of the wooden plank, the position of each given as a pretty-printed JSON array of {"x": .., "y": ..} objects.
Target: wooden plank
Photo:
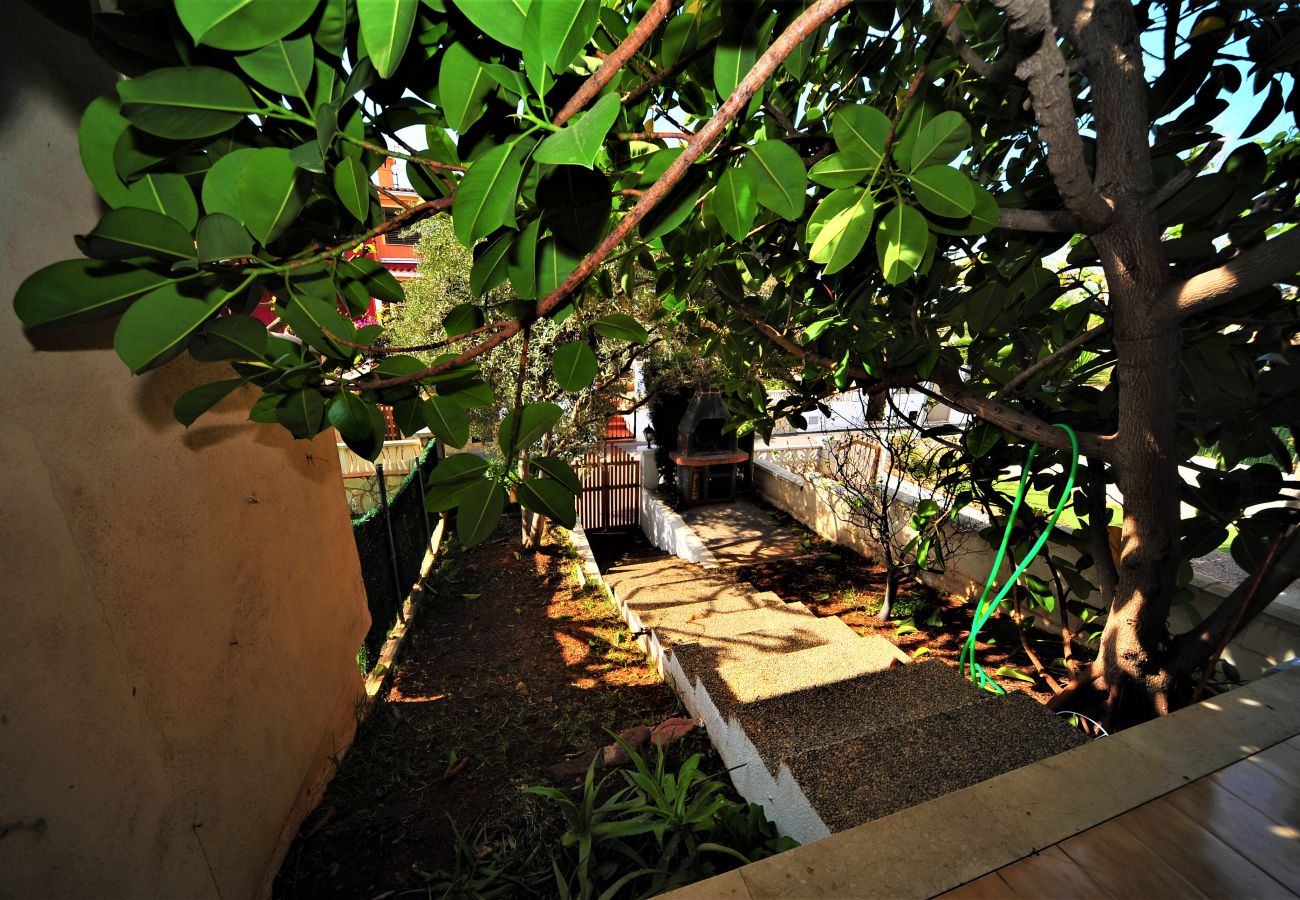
[
  {"x": 1270, "y": 846},
  {"x": 990, "y": 887},
  {"x": 1280, "y": 761},
  {"x": 1197, "y": 854},
  {"x": 1049, "y": 873},
  {"x": 1123, "y": 867},
  {"x": 1272, "y": 796}
]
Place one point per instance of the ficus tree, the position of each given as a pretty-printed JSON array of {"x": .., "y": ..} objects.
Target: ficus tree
[{"x": 879, "y": 195}]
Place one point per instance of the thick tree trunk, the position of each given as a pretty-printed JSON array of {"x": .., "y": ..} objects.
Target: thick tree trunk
[{"x": 891, "y": 591}]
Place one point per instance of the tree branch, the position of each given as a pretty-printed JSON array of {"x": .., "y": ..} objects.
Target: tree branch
[
  {"x": 949, "y": 17},
  {"x": 1259, "y": 267},
  {"x": 1048, "y": 78},
  {"x": 1052, "y": 358},
  {"x": 1048, "y": 221},
  {"x": 610, "y": 65},
  {"x": 982, "y": 67},
  {"x": 1184, "y": 178},
  {"x": 396, "y": 223},
  {"x": 668, "y": 72}
]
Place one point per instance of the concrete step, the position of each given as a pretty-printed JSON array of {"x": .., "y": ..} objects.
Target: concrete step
[
  {"x": 872, "y": 775},
  {"x": 764, "y": 633},
  {"x": 786, "y": 615},
  {"x": 668, "y": 612},
  {"x": 781, "y": 726},
  {"x": 677, "y": 583}
]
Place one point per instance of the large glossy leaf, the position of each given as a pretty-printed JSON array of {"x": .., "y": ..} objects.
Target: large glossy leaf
[
  {"x": 220, "y": 236},
  {"x": 559, "y": 470},
  {"x": 556, "y": 261},
  {"x": 230, "y": 337},
  {"x": 349, "y": 414},
  {"x": 521, "y": 261},
  {"x": 944, "y": 191},
  {"x": 575, "y": 366},
  {"x": 284, "y": 66},
  {"x": 555, "y": 31},
  {"x": 374, "y": 279},
  {"x": 463, "y": 84},
  {"x": 302, "y": 413},
  {"x": 331, "y": 28},
  {"x": 139, "y": 232},
  {"x": 196, "y": 401},
  {"x": 501, "y": 20},
  {"x": 157, "y": 325},
  {"x": 535, "y": 419},
  {"x": 940, "y": 140},
  {"x": 166, "y": 193},
  {"x": 82, "y": 290},
  {"x": 242, "y": 24},
  {"x": 485, "y": 198},
  {"x": 578, "y": 143},
  {"x": 272, "y": 191},
  {"x": 478, "y": 512},
  {"x": 735, "y": 55},
  {"x": 186, "y": 102},
  {"x": 901, "y": 240},
  {"x": 547, "y": 497},
  {"x": 451, "y": 478},
  {"x": 489, "y": 269},
  {"x": 102, "y": 125},
  {"x": 861, "y": 131},
  {"x": 621, "y": 327},
  {"x": 386, "y": 29},
  {"x": 448, "y": 420},
  {"x": 318, "y": 322},
  {"x": 220, "y": 190},
  {"x": 841, "y": 170},
  {"x": 779, "y": 177},
  {"x": 843, "y": 224},
  {"x": 462, "y": 318},
  {"x": 735, "y": 202},
  {"x": 352, "y": 185}
]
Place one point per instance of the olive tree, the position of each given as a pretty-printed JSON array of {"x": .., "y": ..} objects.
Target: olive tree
[{"x": 876, "y": 196}]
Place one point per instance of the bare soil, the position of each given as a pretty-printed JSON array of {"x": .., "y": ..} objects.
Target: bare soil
[{"x": 511, "y": 668}]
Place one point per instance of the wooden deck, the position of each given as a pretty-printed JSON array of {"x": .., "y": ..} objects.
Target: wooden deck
[
  {"x": 1201, "y": 803},
  {"x": 1235, "y": 833}
]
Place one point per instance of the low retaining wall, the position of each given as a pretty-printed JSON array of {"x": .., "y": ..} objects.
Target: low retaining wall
[
  {"x": 822, "y": 505},
  {"x": 665, "y": 529}
]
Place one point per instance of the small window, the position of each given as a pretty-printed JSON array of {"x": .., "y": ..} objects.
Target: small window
[{"x": 394, "y": 237}]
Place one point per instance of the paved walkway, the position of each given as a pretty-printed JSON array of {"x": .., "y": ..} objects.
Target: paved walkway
[{"x": 740, "y": 532}]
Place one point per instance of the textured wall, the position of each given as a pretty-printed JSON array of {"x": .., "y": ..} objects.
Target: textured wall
[{"x": 179, "y": 611}]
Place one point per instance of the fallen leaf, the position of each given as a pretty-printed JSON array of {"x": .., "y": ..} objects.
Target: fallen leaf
[
  {"x": 670, "y": 730},
  {"x": 456, "y": 768}
]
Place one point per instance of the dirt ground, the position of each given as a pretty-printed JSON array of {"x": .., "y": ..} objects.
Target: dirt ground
[
  {"x": 511, "y": 667},
  {"x": 836, "y": 581}
]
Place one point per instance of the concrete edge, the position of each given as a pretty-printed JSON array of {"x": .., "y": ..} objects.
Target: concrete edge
[
  {"x": 1025, "y": 811},
  {"x": 379, "y": 676},
  {"x": 669, "y": 532}
]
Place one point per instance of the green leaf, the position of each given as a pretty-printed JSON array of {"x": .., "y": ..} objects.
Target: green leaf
[
  {"x": 981, "y": 439},
  {"x": 408, "y": 415},
  {"x": 220, "y": 190},
  {"x": 132, "y": 232},
  {"x": 263, "y": 410},
  {"x": 861, "y": 131},
  {"x": 479, "y": 510},
  {"x": 332, "y": 26},
  {"x": 521, "y": 261},
  {"x": 557, "y": 30},
  {"x": 844, "y": 222},
  {"x": 485, "y": 198},
  {"x": 375, "y": 280},
  {"x": 242, "y": 24},
  {"x": 735, "y": 202},
  {"x": 272, "y": 192},
  {"x": 448, "y": 420},
  {"x": 166, "y": 193},
  {"x": 463, "y": 85},
  {"x": 944, "y": 191},
  {"x": 841, "y": 170},
  {"x": 940, "y": 140},
  {"x": 734, "y": 56},
  {"x": 185, "y": 102},
  {"x": 547, "y": 497},
  {"x": 490, "y": 267},
  {"x": 559, "y": 470},
  {"x": 580, "y": 141},
  {"x": 462, "y": 318},
  {"x": 535, "y": 419},
  {"x": 621, "y": 327},
  {"x": 311, "y": 317},
  {"x": 302, "y": 413},
  {"x": 386, "y": 29},
  {"x": 82, "y": 290},
  {"x": 196, "y": 401},
  {"x": 451, "y": 478},
  {"x": 905, "y": 629},
  {"x": 102, "y": 125},
  {"x": 1010, "y": 672},
  {"x": 779, "y": 177},
  {"x": 352, "y": 185},
  {"x": 350, "y": 415},
  {"x": 221, "y": 237},
  {"x": 230, "y": 337},
  {"x": 900, "y": 243},
  {"x": 501, "y": 20},
  {"x": 575, "y": 366},
  {"x": 157, "y": 325},
  {"x": 284, "y": 66},
  {"x": 470, "y": 393},
  {"x": 555, "y": 262}
]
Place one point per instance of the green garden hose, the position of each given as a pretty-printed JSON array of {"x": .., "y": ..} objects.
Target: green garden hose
[{"x": 984, "y": 607}]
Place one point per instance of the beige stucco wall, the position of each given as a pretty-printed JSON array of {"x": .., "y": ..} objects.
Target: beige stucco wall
[{"x": 179, "y": 611}]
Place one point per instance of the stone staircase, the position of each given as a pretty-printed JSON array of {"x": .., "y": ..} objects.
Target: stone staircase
[{"x": 824, "y": 728}]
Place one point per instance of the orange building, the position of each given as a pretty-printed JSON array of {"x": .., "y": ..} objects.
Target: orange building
[{"x": 395, "y": 252}]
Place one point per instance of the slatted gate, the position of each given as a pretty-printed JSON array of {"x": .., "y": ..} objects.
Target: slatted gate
[{"x": 611, "y": 487}]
